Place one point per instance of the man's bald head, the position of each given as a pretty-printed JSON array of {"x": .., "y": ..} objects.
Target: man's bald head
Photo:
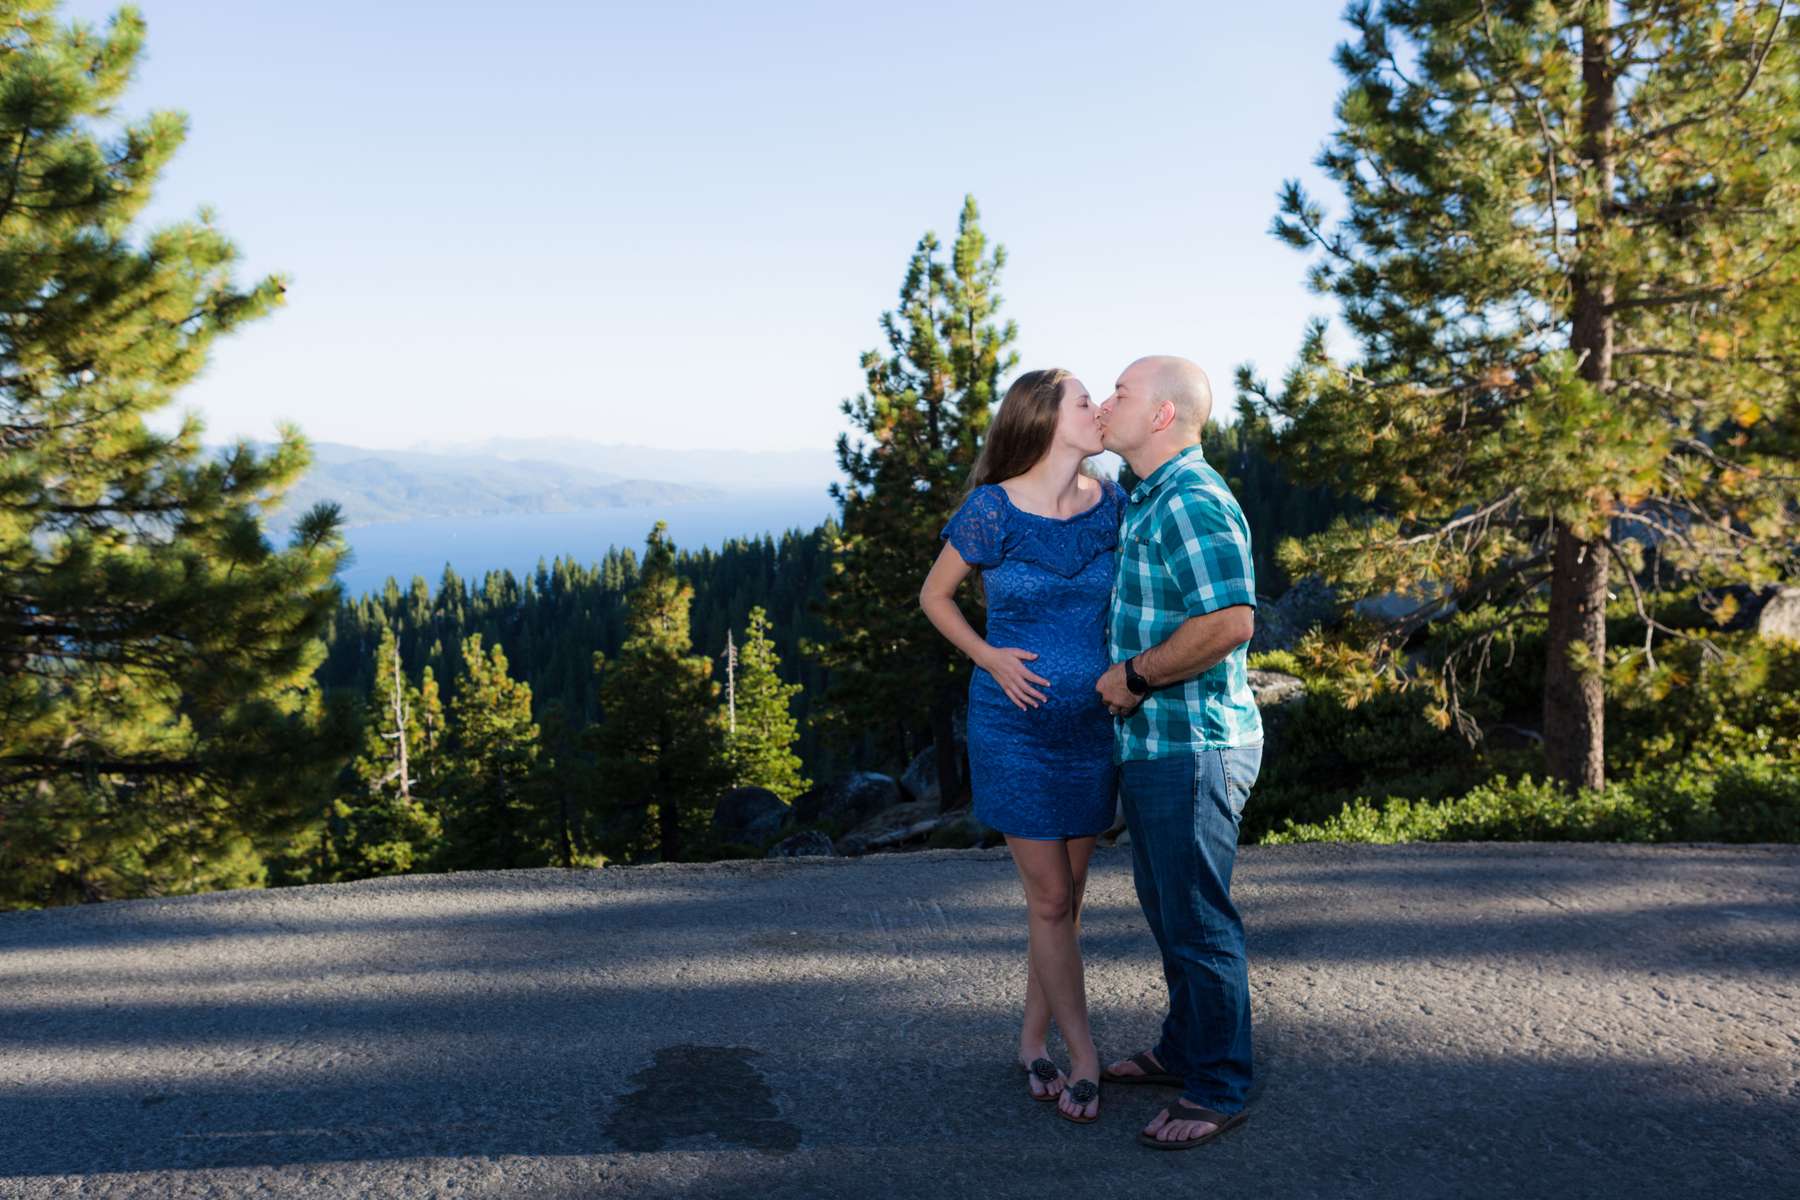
[{"x": 1179, "y": 381}]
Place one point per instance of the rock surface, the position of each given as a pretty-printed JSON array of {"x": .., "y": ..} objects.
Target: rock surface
[
  {"x": 811, "y": 844},
  {"x": 750, "y": 814},
  {"x": 1431, "y": 1021},
  {"x": 848, "y": 800},
  {"x": 1780, "y": 616}
]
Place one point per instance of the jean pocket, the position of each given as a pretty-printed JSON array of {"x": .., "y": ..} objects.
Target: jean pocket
[{"x": 1239, "y": 777}]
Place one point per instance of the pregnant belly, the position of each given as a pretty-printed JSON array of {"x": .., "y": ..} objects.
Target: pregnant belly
[{"x": 1072, "y": 673}]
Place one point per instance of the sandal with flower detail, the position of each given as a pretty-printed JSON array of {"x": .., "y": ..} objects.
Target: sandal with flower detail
[
  {"x": 1045, "y": 1072},
  {"x": 1083, "y": 1092}
]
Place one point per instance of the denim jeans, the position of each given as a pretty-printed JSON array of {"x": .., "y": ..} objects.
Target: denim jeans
[{"x": 1183, "y": 813}]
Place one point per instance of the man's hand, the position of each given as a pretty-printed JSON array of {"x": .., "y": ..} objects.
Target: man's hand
[{"x": 1118, "y": 698}]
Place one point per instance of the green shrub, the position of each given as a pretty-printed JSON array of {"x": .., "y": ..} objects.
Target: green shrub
[{"x": 1752, "y": 798}]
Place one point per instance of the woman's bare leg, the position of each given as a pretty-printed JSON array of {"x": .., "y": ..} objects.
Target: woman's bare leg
[{"x": 1048, "y": 872}]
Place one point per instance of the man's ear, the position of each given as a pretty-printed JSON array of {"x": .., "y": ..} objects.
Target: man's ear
[{"x": 1157, "y": 424}]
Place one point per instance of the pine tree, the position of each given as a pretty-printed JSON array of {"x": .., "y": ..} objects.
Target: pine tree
[
  {"x": 1568, "y": 264},
  {"x": 659, "y": 745},
  {"x": 490, "y": 813},
  {"x": 927, "y": 404},
  {"x": 159, "y": 730},
  {"x": 387, "y": 825},
  {"x": 761, "y": 732}
]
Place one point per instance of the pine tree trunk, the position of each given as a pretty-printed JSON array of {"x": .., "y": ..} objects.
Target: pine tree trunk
[
  {"x": 1575, "y": 699},
  {"x": 943, "y": 745},
  {"x": 668, "y": 812}
]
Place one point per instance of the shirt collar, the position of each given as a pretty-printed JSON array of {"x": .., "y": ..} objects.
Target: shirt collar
[{"x": 1176, "y": 461}]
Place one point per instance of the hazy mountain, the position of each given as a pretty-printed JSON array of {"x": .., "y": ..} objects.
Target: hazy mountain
[
  {"x": 400, "y": 485},
  {"x": 734, "y": 469}
]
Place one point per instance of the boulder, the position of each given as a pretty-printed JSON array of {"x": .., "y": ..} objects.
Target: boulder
[
  {"x": 750, "y": 815},
  {"x": 1278, "y": 697},
  {"x": 1275, "y": 688},
  {"x": 1281, "y": 623},
  {"x": 811, "y": 844},
  {"x": 960, "y": 830},
  {"x": 892, "y": 826},
  {"x": 1780, "y": 616},
  {"x": 920, "y": 779},
  {"x": 848, "y": 800}
]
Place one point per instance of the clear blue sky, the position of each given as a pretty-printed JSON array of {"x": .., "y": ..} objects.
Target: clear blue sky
[{"x": 677, "y": 224}]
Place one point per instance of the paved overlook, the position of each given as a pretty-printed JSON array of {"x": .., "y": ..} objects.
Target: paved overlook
[{"x": 1447, "y": 1020}]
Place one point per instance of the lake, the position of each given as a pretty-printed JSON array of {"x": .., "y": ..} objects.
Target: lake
[{"x": 515, "y": 542}]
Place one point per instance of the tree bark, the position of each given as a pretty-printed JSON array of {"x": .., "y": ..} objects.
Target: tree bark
[
  {"x": 668, "y": 810},
  {"x": 1575, "y": 699},
  {"x": 943, "y": 745}
]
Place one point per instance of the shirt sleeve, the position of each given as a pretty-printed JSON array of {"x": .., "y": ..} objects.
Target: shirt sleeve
[
  {"x": 978, "y": 528},
  {"x": 1205, "y": 544}
]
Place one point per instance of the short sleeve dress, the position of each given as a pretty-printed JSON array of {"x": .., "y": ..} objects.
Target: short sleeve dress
[{"x": 1047, "y": 772}]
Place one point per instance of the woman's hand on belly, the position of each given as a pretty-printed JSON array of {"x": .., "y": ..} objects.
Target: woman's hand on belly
[{"x": 1007, "y": 665}]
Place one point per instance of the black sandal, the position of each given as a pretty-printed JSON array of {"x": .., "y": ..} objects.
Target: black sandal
[
  {"x": 1153, "y": 1072},
  {"x": 1187, "y": 1112},
  {"x": 1083, "y": 1092},
  {"x": 1046, "y": 1072}
]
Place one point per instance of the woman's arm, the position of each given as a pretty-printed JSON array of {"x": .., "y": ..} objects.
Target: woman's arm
[{"x": 1006, "y": 664}]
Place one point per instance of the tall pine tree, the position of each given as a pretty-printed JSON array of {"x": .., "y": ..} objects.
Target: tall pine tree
[
  {"x": 1569, "y": 266},
  {"x": 158, "y": 727},
  {"x": 928, "y": 402},
  {"x": 490, "y": 808},
  {"x": 388, "y": 823},
  {"x": 760, "y": 733},
  {"x": 659, "y": 746}
]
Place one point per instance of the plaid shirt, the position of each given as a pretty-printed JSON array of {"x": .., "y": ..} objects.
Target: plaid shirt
[{"x": 1184, "y": 550}]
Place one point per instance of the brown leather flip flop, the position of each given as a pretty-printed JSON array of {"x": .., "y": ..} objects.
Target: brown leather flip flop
[
  {"x": 1152, "y": 1073},
  {"x": 1186, "y": 1112},
  {"x": 1083, "y": 1092},
  {"x": 1046, "y": 1072}
]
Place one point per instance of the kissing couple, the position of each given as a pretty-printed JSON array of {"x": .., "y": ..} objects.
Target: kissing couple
[{"x": 1114, "y": 666}]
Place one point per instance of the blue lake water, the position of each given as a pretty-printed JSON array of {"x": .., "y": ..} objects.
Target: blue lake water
[{"x": 475, "y": 545}]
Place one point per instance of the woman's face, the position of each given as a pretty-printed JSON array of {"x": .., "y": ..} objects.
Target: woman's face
[{"x": 1077, "y": 423}]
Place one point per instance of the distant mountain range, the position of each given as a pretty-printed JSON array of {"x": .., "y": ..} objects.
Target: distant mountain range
[
  {"x": 510, "y": 476},
  {"x": 737, "y": 470}
]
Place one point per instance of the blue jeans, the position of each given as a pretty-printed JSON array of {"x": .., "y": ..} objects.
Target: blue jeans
[{"x": 1183, "y": 813}]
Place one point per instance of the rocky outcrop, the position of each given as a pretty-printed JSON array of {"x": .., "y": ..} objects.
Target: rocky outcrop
[
  {"x": 891, "y": 827},
  {"x": 1780, "y": 616},
  {"x": 1282, "y": 622},
  {"x": 848, "y": 800},
  {"x": 811, "y": 844},
  {"x": 749, "y": 815}
]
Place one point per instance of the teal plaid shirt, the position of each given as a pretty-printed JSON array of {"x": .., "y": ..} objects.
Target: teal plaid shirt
[{"x": 1184, "y": 550}]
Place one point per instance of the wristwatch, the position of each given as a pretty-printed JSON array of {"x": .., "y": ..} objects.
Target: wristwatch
[{"x": 1137, "y": 683}]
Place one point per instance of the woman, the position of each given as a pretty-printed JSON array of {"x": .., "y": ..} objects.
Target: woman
[{"x": 1043, "y": 533}]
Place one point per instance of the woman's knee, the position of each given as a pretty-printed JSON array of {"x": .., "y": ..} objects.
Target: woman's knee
[{"x": 1052, "y": 902}]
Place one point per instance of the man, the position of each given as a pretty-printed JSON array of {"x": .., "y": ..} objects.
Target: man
[{"x": 1189, "y": 741}]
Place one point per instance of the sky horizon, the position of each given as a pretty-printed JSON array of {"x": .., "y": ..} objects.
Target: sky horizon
[{"x": 679, "y": 228}]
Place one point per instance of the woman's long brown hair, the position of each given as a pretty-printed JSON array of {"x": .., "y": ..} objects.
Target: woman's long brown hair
[{"x": 1023, "y": 429}]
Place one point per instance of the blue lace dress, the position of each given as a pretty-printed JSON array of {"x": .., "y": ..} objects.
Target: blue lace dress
[{"x": 1044, "y": 772}]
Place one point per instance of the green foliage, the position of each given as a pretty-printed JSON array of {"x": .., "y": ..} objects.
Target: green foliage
[
  {"x": 1567, "y": 266},
  {"x": 552, "y": 620},
  {"x": 660, "y": 743},
  {"x": 1330, "y": 753},
  {"x": 159, "y": 729},
  {"x": 1753, "y": 798},
  {"x": 926, "y": 406},
  {"x": 759, "y": 749},
  {"x": 387, "y": 822},
  {"x": 491, "y": 811}
]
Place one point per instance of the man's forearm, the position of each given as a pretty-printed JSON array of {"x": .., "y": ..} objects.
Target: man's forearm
[{"x": 1198, "y": 645}]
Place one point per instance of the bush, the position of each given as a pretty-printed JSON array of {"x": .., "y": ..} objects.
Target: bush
[
  {"x": 1753, "y": 798},
  {"x": 1328, "y": 755}
]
